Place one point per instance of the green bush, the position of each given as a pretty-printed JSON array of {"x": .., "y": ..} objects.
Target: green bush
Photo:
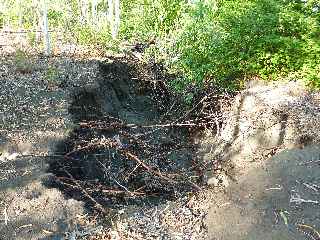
[
  {"x": 272, "y": 39},
  {"x": 84, "y": 34},
  {"x": 55, "y": 18},
  {"x": 1, "y": 20},
  {"x": 52, "y": 75},
  {"x": 143, "y": 20},
  {"x": 87, "y": 35},
  {"x": 23, "y": 62}
]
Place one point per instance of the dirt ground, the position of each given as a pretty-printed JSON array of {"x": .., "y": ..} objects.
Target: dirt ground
[
  {"x": 34, "y": 119},
  {"x": 62, "y": 102},
  {"x": 263, "y": 182},
  {"x": 277, "y": 201}
]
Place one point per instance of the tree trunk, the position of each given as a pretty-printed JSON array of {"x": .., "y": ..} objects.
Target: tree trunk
[
  {"x": 113, "y": 17},
  {"x": 84, "y": 8},
  {"x": 37, "y": 21},
  {"x": 20, "y": 24},
  {"x": 20, "y": 15},
  {"x": 94, "y": 12},
  {"x": 46, "y": 37},
  {"x": 116, "y": 24},
  {"x": 110, "y": 12}
]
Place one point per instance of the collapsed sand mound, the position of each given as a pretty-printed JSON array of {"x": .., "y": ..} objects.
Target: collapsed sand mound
[
  {"x": 268, "y": 156},
  {"x": 263, "y": 121}
]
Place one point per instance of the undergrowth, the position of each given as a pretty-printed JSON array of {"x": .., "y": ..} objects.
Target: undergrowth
[{"x": 23, "y": 62}]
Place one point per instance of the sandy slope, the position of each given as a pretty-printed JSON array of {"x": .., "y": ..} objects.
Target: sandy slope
[{"x": 270, "y": 148}]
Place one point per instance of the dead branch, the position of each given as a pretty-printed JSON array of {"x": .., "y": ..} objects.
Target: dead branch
[
  {"x": 98, "y": 205},
  {"x": 149, "y": 169}
]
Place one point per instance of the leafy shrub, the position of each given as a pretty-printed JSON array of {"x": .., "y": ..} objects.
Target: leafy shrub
[
  {"x": 55, "y": 17},
  {"x": 23, "y": 62},
  {"x": 84, "y": 34},
  {"x": 226, "y": 42},
  {"x": 52, "y": 75},
  {"x": 87, "y": 35},
  {"x": 222, "y": 42},
  {"x": 1, "y": 20},
  {"x": 32, "y": 38},
  {"x": 143, "y": 20}
]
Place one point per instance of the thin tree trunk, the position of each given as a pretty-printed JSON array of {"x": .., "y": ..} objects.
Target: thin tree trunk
[
  {"x": 20, "y": 23},
  {"x": 37, "y": 21},
  {"x": 46, "y": 37},
  {"x": 110, "y": 11},
  {"x": 84, "y": 10},
  {"x": 8, "y": 20},
  {"x": 20, "y": 15},
  {"x": 81, "y": 18},
  {"x": 116, "y": 24},
  {"x": 94, "y": 12},
  {"x": 113, "y": 17}
]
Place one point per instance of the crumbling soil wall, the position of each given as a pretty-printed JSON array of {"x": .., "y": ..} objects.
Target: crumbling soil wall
[{"x": 268, "y": 153}]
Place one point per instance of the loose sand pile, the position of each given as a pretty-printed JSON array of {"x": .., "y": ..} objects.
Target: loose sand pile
[{"x": 268, "y": 162}]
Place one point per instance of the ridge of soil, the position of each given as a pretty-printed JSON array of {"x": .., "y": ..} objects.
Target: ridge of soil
[{"x": 270, "y": 146}]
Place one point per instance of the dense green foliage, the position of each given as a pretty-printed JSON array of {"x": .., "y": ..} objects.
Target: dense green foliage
[
  {"x": 268, "y": 38},
  {"x": 224, "y": 42},
  {"x": 229, "y": 41},
  {"x": 146, "y": 19}
]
